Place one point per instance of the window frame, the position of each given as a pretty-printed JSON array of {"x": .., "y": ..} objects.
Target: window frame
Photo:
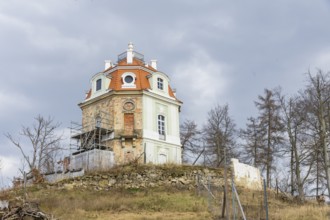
[
  {"x": 160, "y": 83},
  {"x": 128, "y": 84},
  {"x": 126, "y": 79},
  {"x": 161, "y": 126},
  {"x": 98, "y": 84}
]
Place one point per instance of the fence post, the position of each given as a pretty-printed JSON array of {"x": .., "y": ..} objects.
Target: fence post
[
  {"x": 239, "y": 202},
  {"x": 226, "y": 184},
  {"x": 265, "y": 199},
  {"x": 24, "y": 185},
  {"x": 233, "y": 198},
  {"x": 223, "y": 202},
  {"x": 198, "y": 184},
  {"x": 209, "y": 194}
]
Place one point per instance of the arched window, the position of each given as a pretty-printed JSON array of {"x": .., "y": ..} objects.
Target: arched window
[
  {"x": 161, "y": 127},
  {"x": 160, "y": 83},
  {"x": 98, "y": 84}
]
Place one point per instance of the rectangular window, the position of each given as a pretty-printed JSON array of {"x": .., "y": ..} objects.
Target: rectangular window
[
  {"x": 98, "y": 84},
  {"x": 160, "y": 83},
  {"x": 161, "y": 127}
]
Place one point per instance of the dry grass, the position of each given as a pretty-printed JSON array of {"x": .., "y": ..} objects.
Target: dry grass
[
  {"x": 156, "y": 215},
  {"x": 306, "y": 212},
  {"x": 253, "y": 206},
  {"x": 159, "y": 203},
  {"x": 143, "y": 215},
  {"x": 143, "y": 204}
]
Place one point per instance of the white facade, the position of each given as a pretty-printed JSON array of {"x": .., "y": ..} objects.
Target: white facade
[{"x": 161, "y": 148}]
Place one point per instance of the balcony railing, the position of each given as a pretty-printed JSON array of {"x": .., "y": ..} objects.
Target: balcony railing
[{"x": 136, "y": 55}]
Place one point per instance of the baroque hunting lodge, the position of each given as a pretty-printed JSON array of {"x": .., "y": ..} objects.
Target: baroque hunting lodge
[{"x": 129, "y": 113}]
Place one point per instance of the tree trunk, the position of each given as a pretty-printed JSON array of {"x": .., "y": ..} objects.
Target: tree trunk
[
  {"x": 269, "y": 161},
  {"x": 300, "y": 184},
  {"x": 324, "y": 146},
  {"x": 292, "y": 171}
]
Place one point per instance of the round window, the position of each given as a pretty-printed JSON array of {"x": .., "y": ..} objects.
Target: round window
[{"x": 128, "y": 79}]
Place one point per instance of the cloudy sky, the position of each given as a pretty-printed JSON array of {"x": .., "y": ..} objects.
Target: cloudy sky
[{"x": 214, "y": 51}]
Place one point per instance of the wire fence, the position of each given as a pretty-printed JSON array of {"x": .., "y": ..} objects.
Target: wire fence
[{"x": 251, "y": 201}]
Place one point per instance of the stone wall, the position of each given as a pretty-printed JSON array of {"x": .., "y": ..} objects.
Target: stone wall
[
  {"x": 144, "y": 176},
  {"x": 148, "y": 176},
  {"x": 101, "y": 108}
]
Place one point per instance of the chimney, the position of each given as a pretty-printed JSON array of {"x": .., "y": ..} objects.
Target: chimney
[
  {"x": 107, "y": 64},
  {"x": 129, "y": 56},
  {"x": 153, "y": 64}
]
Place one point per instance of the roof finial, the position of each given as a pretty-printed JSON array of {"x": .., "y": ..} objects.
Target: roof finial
[{"x": 130, "y": 46}]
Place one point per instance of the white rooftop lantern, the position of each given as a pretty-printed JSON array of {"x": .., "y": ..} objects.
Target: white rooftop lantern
[{"x": 129, "y": 56}]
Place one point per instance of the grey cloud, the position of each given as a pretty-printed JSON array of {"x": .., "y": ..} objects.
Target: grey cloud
[{"x": 50, "y": 49}]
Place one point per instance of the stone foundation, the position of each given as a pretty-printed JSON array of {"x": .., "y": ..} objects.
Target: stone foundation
[{"x": 130, "y": 177}]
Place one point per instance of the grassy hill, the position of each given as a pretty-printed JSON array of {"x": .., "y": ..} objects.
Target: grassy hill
[{"x": 85, "y": 198}]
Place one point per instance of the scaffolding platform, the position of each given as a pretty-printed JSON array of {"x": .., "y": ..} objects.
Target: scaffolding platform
[{"x": 93, "y": 134}]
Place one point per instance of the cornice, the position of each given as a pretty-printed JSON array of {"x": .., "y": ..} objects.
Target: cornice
[
  {"x": 130, "y": 92},
  {"x": 108, "y": 94},
  {"x": 162, "y": 98}
]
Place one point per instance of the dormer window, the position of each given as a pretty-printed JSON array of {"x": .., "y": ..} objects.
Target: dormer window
[
  {"x": 160, "y": 83},
  {"x": 128, "y": 80},
  {"x": 98, "y": 84}
]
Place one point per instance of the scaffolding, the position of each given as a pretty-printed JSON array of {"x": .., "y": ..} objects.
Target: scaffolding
[
  {"x": 92, "y": 134},
  {"x": 91, "y": 137}
]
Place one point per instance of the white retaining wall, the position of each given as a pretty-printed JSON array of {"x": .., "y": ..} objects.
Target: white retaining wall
[
  {"x": 86, "y": 161},
  {"x": 246, "y": 175},
  {"x": 52, "y": 178},
  {"x": 92, "y": 160}
]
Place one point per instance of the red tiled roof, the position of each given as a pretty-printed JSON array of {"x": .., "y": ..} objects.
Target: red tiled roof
[
  {"x": 88, "y": 95},
  {"x": 141, "y": 81},
  {"x": 170, "y": 92}
]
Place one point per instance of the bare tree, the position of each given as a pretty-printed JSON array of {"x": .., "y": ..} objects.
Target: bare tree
[
  {"x": 271, "y": 123},
  {"x": 300, "y": 145},
  {"x": 190, "y": 139},
  {"x": 317, "y": 95},
  {"x": 219, "y": 134},
  {"x": 253, "y": 137},
  {"x": 43, "y": 141}
]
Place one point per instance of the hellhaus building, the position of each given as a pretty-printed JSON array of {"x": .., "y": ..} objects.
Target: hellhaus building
[{"x": 130, "y": 113}]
